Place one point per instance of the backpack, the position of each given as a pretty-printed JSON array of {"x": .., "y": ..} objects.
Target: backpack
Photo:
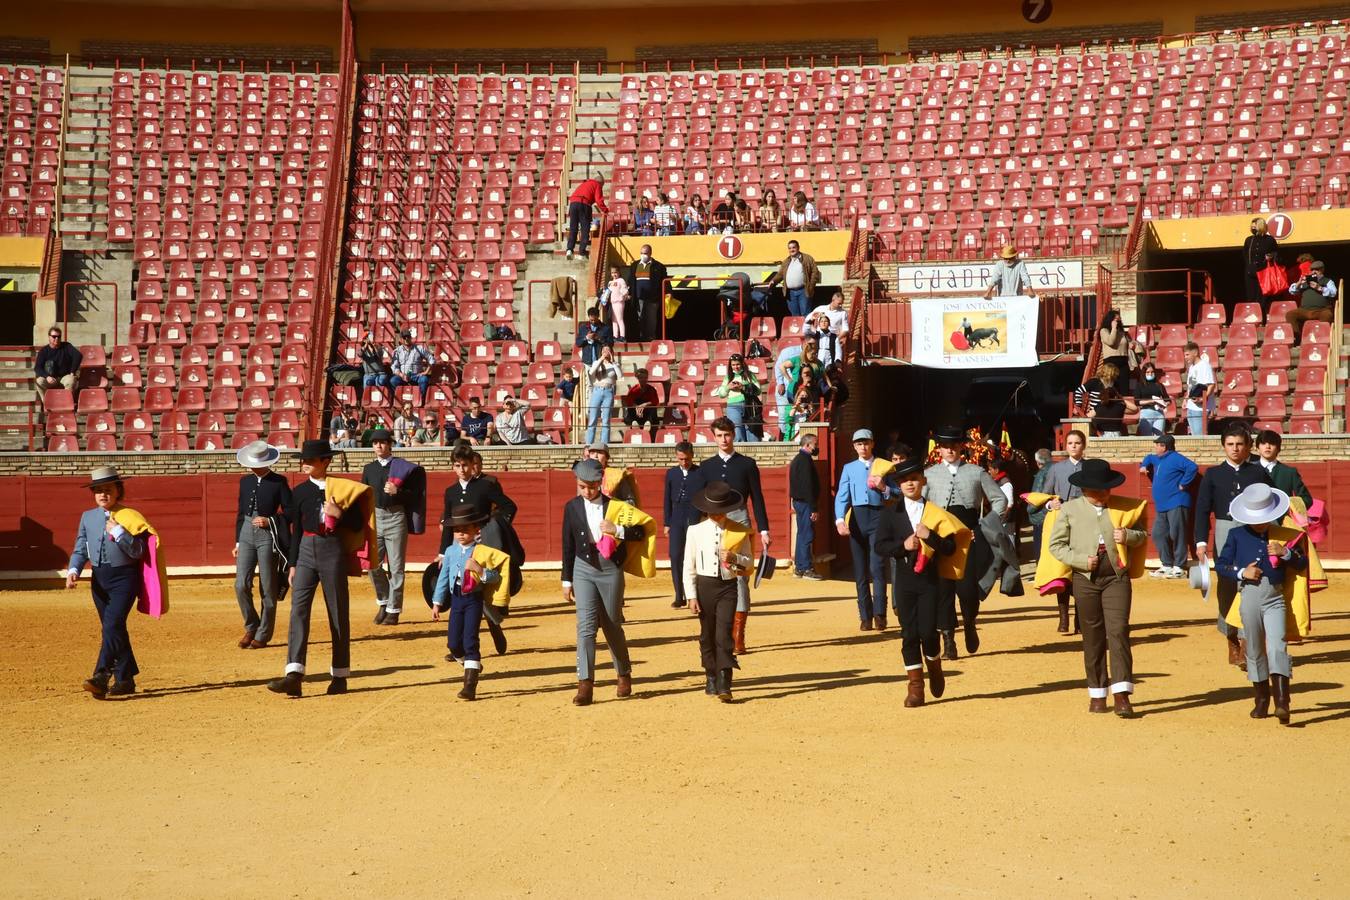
[
  {"x": 505, "y": 333},
  {"x": 756, "y": 350},
  {"x": 490, "y": 332}
]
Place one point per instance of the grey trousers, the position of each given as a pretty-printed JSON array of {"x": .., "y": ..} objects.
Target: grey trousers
[
  {"x": 1169, "y": 536},
  {"x": 1263, "y": 621},
  {"x": 1224, "y": 588},
  {"x": 599, "y": 597},
  {"x": 256, "y": 554},
  {"x": 320, "y": 563},
  {"x": 391, "y": 532},
  {"x": 742, "y": 515}
]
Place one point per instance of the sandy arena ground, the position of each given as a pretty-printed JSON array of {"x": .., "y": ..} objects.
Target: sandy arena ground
[{"x": 816, "y": 782}]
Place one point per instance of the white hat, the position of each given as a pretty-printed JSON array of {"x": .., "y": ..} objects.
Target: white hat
[
  {"x": 1200, "y": 579},
  {"x": 258, "y": 455},
  {"x": 1258, "y": 504}
]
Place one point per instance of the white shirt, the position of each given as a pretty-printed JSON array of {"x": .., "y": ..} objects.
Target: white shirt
[
  {"x": 914, "y": 509},
  {"x": 595, "y": 514},
  {"x": 796, "y": 277},
  {"x": 805, "y": 216},
  {"x": 725, "y": 456},
  {"x": 1269, "y": 464},
  {"x": 384, "y": 460},
  {"x": 838, "y": 318},
  {"x": 1199, "y": 373},
  {"x": 322, "y": 485}
]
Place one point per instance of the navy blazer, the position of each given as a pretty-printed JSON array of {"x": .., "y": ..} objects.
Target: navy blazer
[
  {"x": 274, "y": 496},
  {"x": 678, "y": 510},
  {"x": 578, "y": 543},
  {"x": 1245, "y": 547},
  {"x": 742, "y": 474}
]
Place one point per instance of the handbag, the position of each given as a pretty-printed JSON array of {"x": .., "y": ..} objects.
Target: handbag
[{"x": 1273, "y": 280}]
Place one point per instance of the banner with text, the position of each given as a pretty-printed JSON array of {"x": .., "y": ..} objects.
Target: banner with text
[
  {"x": 1051, "y": 275},
  {"x": 970, "y": 333}
]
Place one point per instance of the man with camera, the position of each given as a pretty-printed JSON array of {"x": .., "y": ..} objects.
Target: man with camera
[
  {"x": 58, "y": 363},
  {"x": 1316, "y": 292}
]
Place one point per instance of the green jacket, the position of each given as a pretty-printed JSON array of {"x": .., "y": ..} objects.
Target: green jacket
[{"x": 1287, "y": 479}]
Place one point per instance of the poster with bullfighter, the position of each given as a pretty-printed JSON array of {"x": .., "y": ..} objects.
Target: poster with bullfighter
[{"x": 974, "y": 333}]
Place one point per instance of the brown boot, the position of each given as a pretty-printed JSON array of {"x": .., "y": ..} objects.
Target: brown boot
[
  {"x": 1261, "y": 709},
  {"x": 937, "y": 682},
  {"x": 738, "y": 631},
  {"x": 915, "y": 695},
  {"x": 625, "y": 686},
  {"x": 1279, "y": 685},
  {"x": 1097, "y": 705},
  {"x": 470, "y": 689},
  {"x": 879, "y": 623},
  {"x": 1237, "y": 654},
  {"x": 585, "y": 690},
  {"x": 1063, "y": 627},
  {"x": 246, "y": 640},
  {"x": 1241, "y": 661},
  {"x": 1124, "y": 708}
]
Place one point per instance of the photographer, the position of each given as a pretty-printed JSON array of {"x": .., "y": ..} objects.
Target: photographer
[
  {"x": 58, "y": 363},
  {"x": 743, "y": 395},
  {"x": 374, "y": 372},
  {"x": 1315, "y": 292}
]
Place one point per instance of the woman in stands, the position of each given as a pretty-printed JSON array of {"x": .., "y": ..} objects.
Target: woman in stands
[
  {"x": 602, "y": 380},
  {"x": 770, "y": 213},
  {"x": 1258, "y": 251},
  {"x": 741, "y": 389},
  {"x": 1087, "y": 395},
  {"x": 744, "y": 221},
  {"x": 802, "y": 215},
  {"x": 1117, "y": 345},
  {"x": 1152, "y": 399},
  {"x": 664, "y": 217},
  {"x": 695, "y": 216},
  {"x": 1109, "y": 420}
]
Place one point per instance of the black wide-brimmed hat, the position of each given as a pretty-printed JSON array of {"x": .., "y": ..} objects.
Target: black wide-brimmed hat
[
  {"x": 1096, "y": 475},
  {"x": 718, "y": 497},
  {"x": 465, "y": 514},
  {"x": 316, "y": 449},
  {"x": 949, "y": 434},
  {"x": 104, "y": 475},
  {"x": 908, "y": 466}
]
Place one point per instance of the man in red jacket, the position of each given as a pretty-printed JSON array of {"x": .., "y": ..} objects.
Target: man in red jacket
[{"x": 589, "y": 192}]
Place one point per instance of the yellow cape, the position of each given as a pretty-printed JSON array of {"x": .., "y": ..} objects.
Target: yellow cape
[
  {"x": 136, "y": 523},
  {"x": 943, "y": 523},
  {"x": 641, "y": 557},
  {"x": 1052, "y": 576},
  {"x": 739, "y": 539},
  {"x": 347, "y": 493},
  {"x": 1297, "y": 590},
  {"x": 614, "y": 476},
  {"x": 492, "y": 558}
]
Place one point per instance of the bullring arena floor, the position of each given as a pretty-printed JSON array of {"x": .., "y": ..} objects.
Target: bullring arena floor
[{"x": 816, "y": 782}]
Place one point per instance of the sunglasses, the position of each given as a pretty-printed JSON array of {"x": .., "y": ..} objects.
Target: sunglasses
[{"x": 57, "y": 336}]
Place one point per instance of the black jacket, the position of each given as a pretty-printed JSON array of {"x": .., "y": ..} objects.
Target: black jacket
[
  {"x": 678, "y": 511},
  {"x": 893, "y": 529},
  {"x": 306, "y": 514},
  {"x": 803, "y": 479},
  {"x": 656, "y": 284},
  {"x": 742, "y": 473},
  {"x": 577, "y": 542},
  {"x": 376, "y": 476},
  {"x": 603, "y": 336},
  {"x": 273, "y": 494},
  {"x": 1255, "y": 249},
  {"x": 1219, "y": 488},
  {"x": 486, "y": 495},
  {"x": 59, "y": 361}
]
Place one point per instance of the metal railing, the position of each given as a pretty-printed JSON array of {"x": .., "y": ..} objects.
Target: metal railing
[{"x": 1196, "y": 288}]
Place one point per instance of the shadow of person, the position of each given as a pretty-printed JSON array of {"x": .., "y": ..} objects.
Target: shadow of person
[{"x": 155, "y": 693}]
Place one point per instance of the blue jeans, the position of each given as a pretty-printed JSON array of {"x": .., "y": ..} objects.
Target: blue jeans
[
  {"x": 466, "y": 615},
  {"x": 799, "y": 302},
  {"x": 736, "y": 413},
  {"x": 420, "y": 380},
  {"x": 806, "y": 534},
  {"x": 381, "y": 380},
  {"x": 1196, "y": 419},
  {"x": 601, "y": 406},
  {"x": 1151, "y": 421},
  {"x": 578, "y": 220}
]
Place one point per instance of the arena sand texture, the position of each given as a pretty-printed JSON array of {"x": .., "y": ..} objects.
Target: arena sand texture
[{"x": 816, "y": 782}]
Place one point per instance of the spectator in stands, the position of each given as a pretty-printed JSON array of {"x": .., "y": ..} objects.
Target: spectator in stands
[
  {"x": 602, "y": 379},
  {"x": 805, "y": 403},
  {"x": 1152, "y": 399},
  {"x": 646, "y": 287},
  {"x": 475, "y": 425},
  {"x": 58, "y": 363},
  {"x": 836, "y": 314},
  {"x": 1109, "y": 418},
  {"x": 616, "y": 295},
  {"x": 642, "y": 403},
  {"x": 410, "y": 366},
  {"x": 512, "y": 425},
  {"x": 744, "y": 222},
  {"x": 695, "y": 216},
  {"x": 1315, "y": 292},
  {"x": 1118, "y": 347},
  {"x": 567, "y": 386},
  {"x": 743, "y": 395},
  {"x": 373, "y": 426},
  {"x": 644, "y": 220},
  {"x": 808, "y": 360},
  {"x": 1009, "y": 277},
  {"x": 590, "y": 192},
  {"x": 818, "y": 328},
  {"x": 665, "y": 217},
  {"x": 1089, "y": 393},
  {"x": 771, "y": 213},
  {"x": 1200, "y": 399},
  {"x": 593, "y": 336},
  {"x": 1258, "y": 251},
  {"x": 1171, "y": 474},
  {"x": 431, "y": 434},
  {"x": 405, "y": 425},
  {"x": 343, "y": 428},
  {"x": 724, "y": 215},
  {"x": 802, "y": 216},
  {"x": 781, "y": 395},
  {"x": 374, "y": 371},
  {"x": 799, "y": 275}
]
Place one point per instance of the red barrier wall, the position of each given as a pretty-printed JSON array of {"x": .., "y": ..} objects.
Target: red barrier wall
[{"x": 195, "y": 514}]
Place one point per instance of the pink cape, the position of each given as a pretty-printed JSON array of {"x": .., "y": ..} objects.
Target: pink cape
[{"x": 153, "y": 599}]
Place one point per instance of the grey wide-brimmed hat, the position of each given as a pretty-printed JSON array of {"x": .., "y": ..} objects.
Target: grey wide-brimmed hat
[
  {"x": 258, "y": 455},
  {"x": 1258, "y": 504},
  {"x": 589, "y": 470},
  {"x": 1200, "y": 579},
  {"x": 104, "y": 475}
]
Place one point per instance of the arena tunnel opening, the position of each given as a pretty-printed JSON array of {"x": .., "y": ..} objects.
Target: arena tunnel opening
[{"x": 704, "y": 310}]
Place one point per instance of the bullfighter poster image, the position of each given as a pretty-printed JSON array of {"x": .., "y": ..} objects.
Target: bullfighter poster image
[{"x": 971, "y": 333}]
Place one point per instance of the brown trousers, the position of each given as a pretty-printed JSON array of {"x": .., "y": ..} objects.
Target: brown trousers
[
  {"x": 1104, "y": 617},
  {"x": 1297, "y": 317}
]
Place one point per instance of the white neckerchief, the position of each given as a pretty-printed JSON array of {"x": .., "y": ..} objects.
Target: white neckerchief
[
  {"x": 384, "y": 461},
  {"x": 463, "y": 485}
]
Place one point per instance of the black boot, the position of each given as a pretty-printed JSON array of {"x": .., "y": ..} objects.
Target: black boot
[
  {"x": 379, "y": 616},
  {"x": 97, "y": 684},
  {"x": 678, "y": 603},
  {"x": 972, "y": 637},
  {"x": 1262, "y": 708},
  {"x": 289, "y": 684},
  {"x": 122, "y": 688},
  {"x": 470, "y": 689},
  {"x": 498, "y": 636},
  {"x": 390, "y": 618},
  {"x": 336, "y": 686},
  {"x": 724, "y": 685},
  {"x": 1063, "y": 627},
  {"x": 1279, "y": 685},
  {"x": 949, "y": 645},
  {"x": 711, "y": 689}
]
